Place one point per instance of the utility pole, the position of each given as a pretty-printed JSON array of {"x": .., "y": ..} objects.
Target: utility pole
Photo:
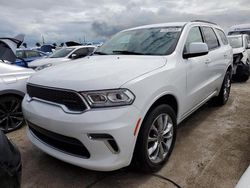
[{"x": 42, "y": 39}]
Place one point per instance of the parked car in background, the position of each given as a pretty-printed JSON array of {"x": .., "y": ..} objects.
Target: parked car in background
[
  {"x": 12, "y": 89},
  {"x": 25, "y": 56},
  {"x": 239, "y": 29},
  {"x": 124, "y": 103},
  {"x": 241, "y": 56},
  {"x": 62, "y": 55},
  {"x": 10, "y": 164},
  {"x": 47, "y": 48},
  {"x": 12, "y": 85}
]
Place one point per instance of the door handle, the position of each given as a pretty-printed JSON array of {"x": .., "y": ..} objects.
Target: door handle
[
  {"x": 225, "y": 56},
  {"x": 207, "y": 61}
]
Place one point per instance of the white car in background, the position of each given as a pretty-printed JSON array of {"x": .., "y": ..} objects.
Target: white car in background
[
  {"x": 12, "y": 85},
  {"x": 241, "y": 56},
  {"x": 124, "y": 103},
  {"x": 239, "y": 29},
  {"x": 62, "y": 55}
]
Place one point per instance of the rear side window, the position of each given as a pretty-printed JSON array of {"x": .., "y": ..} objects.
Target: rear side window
[
  {"x": 20, "y": 54},
  {"x": 222, "y": 36},
  {"x": 210, "y": 38},
  {"x": 83, "y": 52},
  {"x": 194, "y": 35},
  {"x": 30, "y": 54}
]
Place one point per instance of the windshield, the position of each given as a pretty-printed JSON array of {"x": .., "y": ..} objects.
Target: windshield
[
  {"x": 62, "y": 52},
  {"x": 149, "y": 41},
  {"x": 235, "y": 42}
]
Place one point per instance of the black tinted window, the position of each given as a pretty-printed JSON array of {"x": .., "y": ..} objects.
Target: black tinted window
[
  {"x": 210, "y": 38},
  {"x": 194, "y": 35},
  {"x": 81, "y": 52},
  {"x": 222, "y": 36}
]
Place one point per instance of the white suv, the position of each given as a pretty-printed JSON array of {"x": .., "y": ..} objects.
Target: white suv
[
  {"x": 60, "y": 56},
  {"x": 124, "y": 103},
  {"x": 241, "y": 56}
]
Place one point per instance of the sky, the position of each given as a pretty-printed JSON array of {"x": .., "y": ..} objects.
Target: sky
[{"x": 97, "y": 20}]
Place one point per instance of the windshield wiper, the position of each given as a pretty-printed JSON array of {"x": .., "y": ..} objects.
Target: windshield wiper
[
  {"x": 127, "y": 52},
  {"x": 100, "y": 53}
]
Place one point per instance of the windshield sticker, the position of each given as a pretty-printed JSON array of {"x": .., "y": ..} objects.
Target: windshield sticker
[{"x": 170, "y": 29}]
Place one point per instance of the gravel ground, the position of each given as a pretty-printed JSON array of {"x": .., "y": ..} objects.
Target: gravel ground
[{"x": 212, "y": 150}]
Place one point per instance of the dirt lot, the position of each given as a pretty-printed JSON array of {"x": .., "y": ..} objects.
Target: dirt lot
[{"x": 212, "y": 150}]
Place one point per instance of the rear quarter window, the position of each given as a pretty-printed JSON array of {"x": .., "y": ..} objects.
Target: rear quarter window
[
  {"x": 210, "y": 38},
  {"x": 222, "y": 36}
]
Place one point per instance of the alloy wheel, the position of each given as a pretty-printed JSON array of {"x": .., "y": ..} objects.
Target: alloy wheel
[
  {"x": 160, "y": 138},
  {"x": 11, "y": 116}
]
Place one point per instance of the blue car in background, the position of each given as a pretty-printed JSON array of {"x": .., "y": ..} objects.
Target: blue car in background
[{"x": 24, "y": 56}]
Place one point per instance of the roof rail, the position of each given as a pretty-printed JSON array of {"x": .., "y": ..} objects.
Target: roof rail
[{"x": 204, "y": 21}]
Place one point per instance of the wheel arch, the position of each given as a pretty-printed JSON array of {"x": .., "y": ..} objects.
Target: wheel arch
[
  {"x": 12, "y": 92},
  {"x": 168, "y": 99},
  {"x": 230, "y": 68}
]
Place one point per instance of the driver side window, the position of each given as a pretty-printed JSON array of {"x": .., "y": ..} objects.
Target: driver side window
[
  {"x": 82, "y": 52},
  {"x": 194, "y": 35}
]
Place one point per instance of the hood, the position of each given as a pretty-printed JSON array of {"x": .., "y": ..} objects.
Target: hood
[
  {"x": 44, "y": 61},
  {"x": 238, "y": 50},
  {"x": 7, "y": 69},
  {"x": 97, "y": 72}
]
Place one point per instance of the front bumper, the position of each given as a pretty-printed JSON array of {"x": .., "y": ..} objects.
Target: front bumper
[{"x": 117, "y": 122}]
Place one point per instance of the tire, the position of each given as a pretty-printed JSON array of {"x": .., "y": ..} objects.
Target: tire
[
  {"x": 242, "y": 73},
  {"x": 223, "y": 96},
  {"x": 149, "y": 155},
  {"x": 11, "y": 116}
]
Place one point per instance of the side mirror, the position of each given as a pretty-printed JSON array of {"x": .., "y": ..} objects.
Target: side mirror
[
  {"x": 196, "y": 49},
  {"x": 74, "y": 56}
]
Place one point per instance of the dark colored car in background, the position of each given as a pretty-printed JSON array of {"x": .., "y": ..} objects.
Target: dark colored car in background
[
  {"x": 24, "y": 56},
  {"x": 10, "y": 164}
]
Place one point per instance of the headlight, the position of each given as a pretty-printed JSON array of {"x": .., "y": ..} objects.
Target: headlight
[
  {"x": 237, "y": 57},
  {"x": 109, "y": 98},
  {"x": 43, "y": 67}
]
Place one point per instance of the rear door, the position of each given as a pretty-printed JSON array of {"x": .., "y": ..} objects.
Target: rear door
[{"x": 218, "y": 58}]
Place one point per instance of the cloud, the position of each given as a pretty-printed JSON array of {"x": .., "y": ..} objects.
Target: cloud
[{"x": 99, "y": 19}]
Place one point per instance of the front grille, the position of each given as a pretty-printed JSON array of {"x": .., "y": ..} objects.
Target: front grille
[
  {"x": 63, "y": 143},
  {"x": 68, "y": 98}
]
